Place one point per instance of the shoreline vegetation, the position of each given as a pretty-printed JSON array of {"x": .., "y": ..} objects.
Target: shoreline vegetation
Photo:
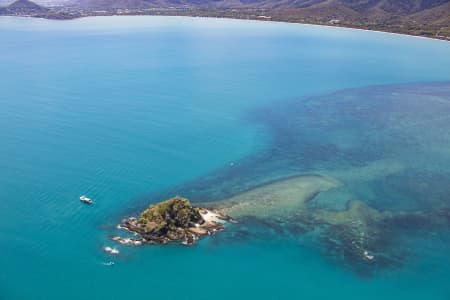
[{"x": 422, "y": 26}]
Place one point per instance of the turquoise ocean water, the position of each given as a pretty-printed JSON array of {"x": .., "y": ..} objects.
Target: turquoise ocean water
[{"x": 129, "y": 110}]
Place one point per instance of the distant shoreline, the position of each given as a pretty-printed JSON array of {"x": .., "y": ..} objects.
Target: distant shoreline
[
  {"x": 194, "y": 14},
  {"x": 321, "y": 25}
]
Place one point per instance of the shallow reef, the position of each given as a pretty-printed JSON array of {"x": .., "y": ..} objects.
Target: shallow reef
[
  {"x": 360, "y": 236},
  {"x": 277, "y": 199}
]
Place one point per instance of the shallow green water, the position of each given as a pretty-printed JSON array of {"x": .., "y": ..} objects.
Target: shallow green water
[{"x": 130, "y": 110}]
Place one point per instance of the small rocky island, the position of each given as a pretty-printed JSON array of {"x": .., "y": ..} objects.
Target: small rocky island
[{"x": 173, "y": 220}]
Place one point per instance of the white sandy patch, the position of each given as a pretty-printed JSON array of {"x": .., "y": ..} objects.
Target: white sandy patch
[{"x": 210, "y": 216}]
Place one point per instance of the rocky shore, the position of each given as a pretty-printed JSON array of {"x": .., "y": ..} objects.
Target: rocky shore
[{"x": 173, "y": 220}]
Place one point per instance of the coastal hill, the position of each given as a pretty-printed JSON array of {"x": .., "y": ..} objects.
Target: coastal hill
[
  {"x": 366, "y": 8},
  {"x": 418, "y": 17},
  {"x": 55, "y": 10},
  {"x": 429, "y": 18},
  {"x": 23, "y": 7}
]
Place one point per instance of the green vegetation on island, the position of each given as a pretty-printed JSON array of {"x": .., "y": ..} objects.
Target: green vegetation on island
[
  {"x": 175, "y": 219},
  {"x": 170, "y": 217}
]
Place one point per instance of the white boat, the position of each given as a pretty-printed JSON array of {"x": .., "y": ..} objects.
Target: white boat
[
  {"x": 85, "y": 199},
  {"x": 111, "y": 250}
]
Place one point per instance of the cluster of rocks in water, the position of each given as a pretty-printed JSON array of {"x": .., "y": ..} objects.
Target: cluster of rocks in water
[{"x": 173, "y": 220}]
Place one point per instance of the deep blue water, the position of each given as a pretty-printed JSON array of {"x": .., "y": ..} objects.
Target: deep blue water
[{"x": 129, "y": 110}]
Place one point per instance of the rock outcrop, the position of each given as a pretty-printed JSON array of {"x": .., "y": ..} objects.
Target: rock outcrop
[
  {"x": 23, "y": 7},
  {"x": 174, "y": 220}
]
